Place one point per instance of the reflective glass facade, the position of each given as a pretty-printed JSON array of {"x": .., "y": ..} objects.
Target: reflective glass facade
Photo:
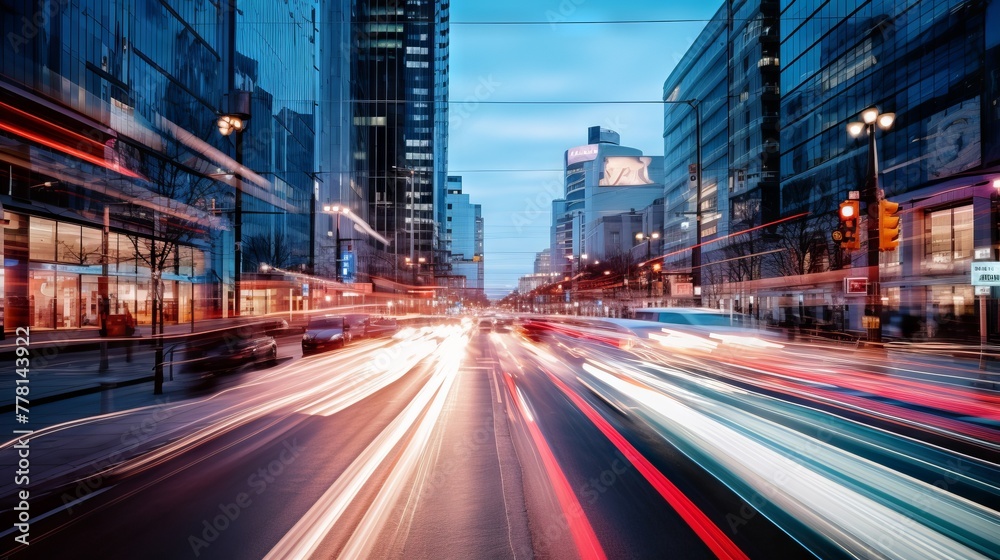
[
  {"x": 276, "y": 61},
  {"x": 113, "y": 105},
  {"x": 933, "y": 64},
  {"x": 397, "y": 109},
  {"x": 921, "y": 60},
  {"x": 701, "y": 77},
  {"x": 110, "y": 107}
]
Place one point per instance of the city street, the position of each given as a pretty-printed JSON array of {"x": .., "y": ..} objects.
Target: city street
[
  {"x": 450, "y": 442},
  {"x": 555, "y": 279}
]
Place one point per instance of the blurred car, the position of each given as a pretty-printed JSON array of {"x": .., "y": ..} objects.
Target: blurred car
[
  {"x": 323, "y": 333},
  {"x": 692, "y": 328},
  {"x": 227, "y": 351},
  {"x": 503, "y": 324},
  {"x": 687, "y": 316},
  {"x": 597, "y": 330},
  {"x": 378, "y": 327},
  {"x": 486, "y": 324},
  {"x": 275, "y": 327},
  {"x": 358, "y": 323}
]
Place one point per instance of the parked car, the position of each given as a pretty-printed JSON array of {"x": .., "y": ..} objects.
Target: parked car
[
  {"x": 323, "y": 333},
  {"x": 227, "y": 351}
]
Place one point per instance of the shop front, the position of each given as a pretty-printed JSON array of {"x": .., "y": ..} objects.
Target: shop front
[{"x": 52, "y": 275}]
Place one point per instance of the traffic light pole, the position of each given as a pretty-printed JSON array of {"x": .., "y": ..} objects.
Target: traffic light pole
[{"x": 873, "y": 311}]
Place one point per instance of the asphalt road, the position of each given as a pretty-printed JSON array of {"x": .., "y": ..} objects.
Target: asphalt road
[{"x": 445, "y": 443}]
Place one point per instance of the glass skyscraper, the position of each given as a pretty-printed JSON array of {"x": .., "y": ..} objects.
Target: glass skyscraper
[
  {"x": 401, "y": 70},
  {"x": 923, "y": 61},
  {"x": 109, "y": 113},
  {"x": 776, "y": 158}
]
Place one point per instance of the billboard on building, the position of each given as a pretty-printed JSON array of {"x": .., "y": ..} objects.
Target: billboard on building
[{"x": 622, "y": 171}]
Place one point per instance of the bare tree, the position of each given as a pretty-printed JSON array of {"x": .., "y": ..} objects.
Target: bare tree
[
  {"x": 166, "y": 211},
  {"x": 80, "y": 254},
  {"x": 162, "y": 221},
  {"x": 804, "y": 246},
  {"x": 617, "y": 262},
  {"x": 744, "y": 253},
  {"x": 271, "y": 249}
]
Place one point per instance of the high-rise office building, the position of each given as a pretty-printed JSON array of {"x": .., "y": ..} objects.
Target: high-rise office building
[
  {"x": 602, "y": 178},
  {"x": 696, "y": 144},
  {"x": 463, "y": 238},
  {"x": 400, "y": 65},
  {"x": 931, "y": 64},
  {"x": 934, "y": 66}
]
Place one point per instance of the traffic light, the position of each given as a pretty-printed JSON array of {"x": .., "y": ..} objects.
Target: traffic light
[
  {"x": 848, "y": 231},
  {"x": 888, "y": 225}
]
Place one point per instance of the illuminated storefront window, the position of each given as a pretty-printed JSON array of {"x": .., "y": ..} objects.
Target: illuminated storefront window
[
  {"x": 948, "y": 236},
  {"x": 64, "y": 269},
  {"x": 42, "y": 242}
]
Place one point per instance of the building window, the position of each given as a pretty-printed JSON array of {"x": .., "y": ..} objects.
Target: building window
[
  {"x": 68, "y": 244},
  {"x": 948, "y": 235},
  {"x": 42, "y": 239},
  {"x": 369, "y": 121}
]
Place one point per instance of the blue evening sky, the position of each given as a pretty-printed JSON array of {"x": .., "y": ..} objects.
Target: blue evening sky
[{"x": 554, "y": 62}]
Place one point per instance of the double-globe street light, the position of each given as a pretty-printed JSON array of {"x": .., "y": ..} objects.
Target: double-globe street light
[{"x": 872, "y": 194}]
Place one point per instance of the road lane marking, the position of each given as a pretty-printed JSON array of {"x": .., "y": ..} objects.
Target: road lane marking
[
  {"x": 584, "y": 537},
  {"x": 720, "y": 544},
  {"x": 307, "y": 534},
  {"x": 67, "y": 505}
]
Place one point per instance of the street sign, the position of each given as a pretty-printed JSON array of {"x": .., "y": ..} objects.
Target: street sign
[
  {"x": 856, "y": 285},
  {"x": 982, "y": 290},
  {"x": 986, "y": 273}
]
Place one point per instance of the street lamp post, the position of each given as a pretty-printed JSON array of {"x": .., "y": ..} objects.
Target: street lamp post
[
  {"x": 872, "y": 194},
  {"x": 649, "y": 270},
  {"x": 235, "y": 120},
  {"x": 411, "y": 196},
  {"x": 696, "y": 249}
]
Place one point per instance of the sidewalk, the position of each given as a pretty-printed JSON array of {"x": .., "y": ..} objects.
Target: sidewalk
[
  {"x": 90, "y": 335},
  {"x": 66, "y": 363}
]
